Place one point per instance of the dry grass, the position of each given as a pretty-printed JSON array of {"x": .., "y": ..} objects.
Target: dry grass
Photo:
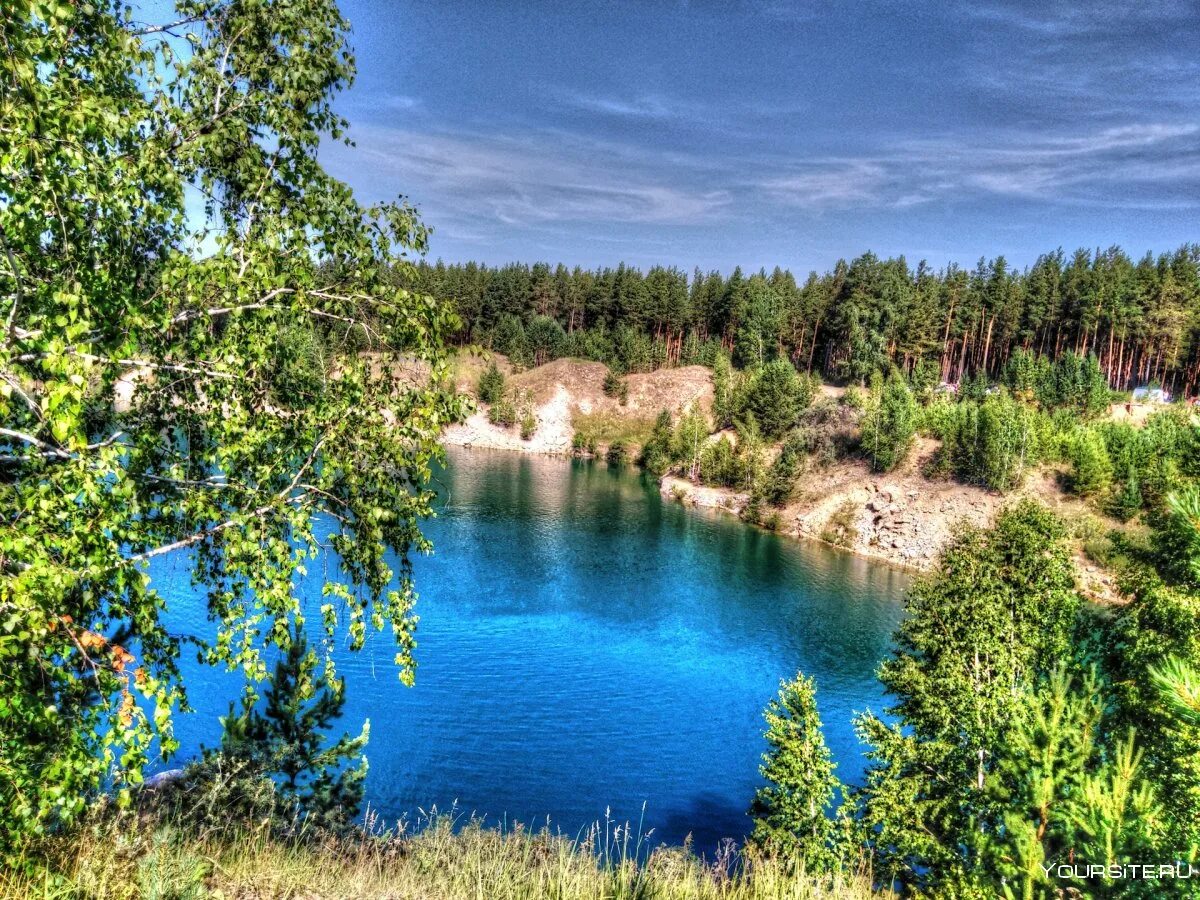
[
  {"x": 438, "y": 863},
  {"x": 607, "y": 427}
]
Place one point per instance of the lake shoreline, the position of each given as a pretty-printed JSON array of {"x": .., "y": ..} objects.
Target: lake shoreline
[
  {"x": 725, "y": 501},
  {"x": 900, "y": 518}
]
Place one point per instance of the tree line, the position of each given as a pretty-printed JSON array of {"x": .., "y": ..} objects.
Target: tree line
[{"x": 1140, "y": 319}]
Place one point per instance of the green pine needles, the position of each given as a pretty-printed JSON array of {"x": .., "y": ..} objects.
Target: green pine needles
[
  {"x": 791, "y": 813},
  {"x": 283, "y": 737}
]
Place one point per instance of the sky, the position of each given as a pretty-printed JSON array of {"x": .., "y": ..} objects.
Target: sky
[{"x": 764, "y": 132}]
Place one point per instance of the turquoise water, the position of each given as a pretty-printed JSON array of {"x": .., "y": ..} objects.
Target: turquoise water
[{"x": 586, "y": 646}]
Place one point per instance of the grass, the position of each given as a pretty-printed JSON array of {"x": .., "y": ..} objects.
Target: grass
[
  {"x": 123, "y": 860},
  {"x": 607, "y": 428},
  {"x": 840, "y": 530}
]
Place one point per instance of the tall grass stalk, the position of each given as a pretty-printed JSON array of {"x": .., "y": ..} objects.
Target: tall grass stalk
[{"x": 124, "y": 859}]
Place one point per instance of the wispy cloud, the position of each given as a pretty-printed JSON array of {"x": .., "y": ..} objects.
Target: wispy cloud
[
  {"x": 397, "y": 101},
  {"x": 530, "y": 179},
  {"x": 642, "y": 106},
  {"x": 473, "y": 182},
  {"x": 1070, "y": 19},
  {"x": 785, "y": 10},
  {"x": 1153, "y": 165}
]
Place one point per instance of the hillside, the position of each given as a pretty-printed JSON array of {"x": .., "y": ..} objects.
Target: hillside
[
  {"x": 568, "y": 394},
  {"x": 901, "y": 517}
]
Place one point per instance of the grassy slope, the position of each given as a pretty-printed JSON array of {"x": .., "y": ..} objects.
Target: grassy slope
[{"x": 437, "y": 864}]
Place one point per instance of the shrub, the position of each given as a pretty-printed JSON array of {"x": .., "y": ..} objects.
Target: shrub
[
  {"x": 1126, "y": 501},
  {"x": 491, "y": 384},
  {"x": 617, "y": 454},
  {"x": 854, "y": 397},
  {"x": 656, "y": 454},
  {"x": 529, "y": 425},
  {"x": 889, "y": 425},
  {"x": 503, "y": 413},
  {"x": 720, "y": 466},
  {"x": 827, "y": 431},
  {"x": 839, "y": 529},
  {"x": 1091, "y": 469},
  {"x": 615, "y": 387},
  {"x": 776, "y": 486}
]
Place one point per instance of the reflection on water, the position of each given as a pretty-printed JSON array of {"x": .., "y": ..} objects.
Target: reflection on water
[{"x": 586, "y": 645}]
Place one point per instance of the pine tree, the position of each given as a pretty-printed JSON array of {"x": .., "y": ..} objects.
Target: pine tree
[
  {"x": 997, "y": 616},
  {"x": 284, "y": 737},
  {"x": 790, "y": 812},
  {"x": 656, "y": 454},
  {"x": 491, "y": 384},
  {"x": 1091, "y": 468}
]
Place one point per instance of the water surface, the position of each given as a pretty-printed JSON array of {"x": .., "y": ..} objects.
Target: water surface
[{"x": 586, "y": 646}]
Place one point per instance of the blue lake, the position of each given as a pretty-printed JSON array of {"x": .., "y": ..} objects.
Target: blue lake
[{"x": 584, "y": 646}]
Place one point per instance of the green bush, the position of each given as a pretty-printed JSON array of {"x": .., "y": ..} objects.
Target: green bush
[
  {"x": 615, "y": 387},
  {"x": 889, "y": 425},
  {"x": 1091, "y": 469},
  {"x": 839, "y": 529},
  {"x": 777, "y": 484},
  {"x": 656, "y": 456},
  {"x": 720, "y": 466},
  {"x": 529, "y": 425},
  {"x": 617, "y": 453},
  {"x": 491, "y": 384},
  {"x": 503, "y": 413}
]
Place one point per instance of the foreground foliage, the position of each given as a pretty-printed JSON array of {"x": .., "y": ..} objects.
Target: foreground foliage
[{"x": 187, "y": 377}]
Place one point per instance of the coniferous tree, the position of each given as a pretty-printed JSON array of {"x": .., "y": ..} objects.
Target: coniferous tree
[
  {"x": 997, "y": 616},
  {"x": 776, "y": 396},
  {"x": 284, "y": 736},
  {"x": 791, "y": 812},
  {"x": 1062, "y": 794},
  {"x": 491, "y": 384},
  {"x": 656, "y": 454}
]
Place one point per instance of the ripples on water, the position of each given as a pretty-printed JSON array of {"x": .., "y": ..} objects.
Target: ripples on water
[{"x": 584, "y": 644}]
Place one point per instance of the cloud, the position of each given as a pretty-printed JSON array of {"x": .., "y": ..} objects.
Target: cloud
[
  {"x": 529, "y": 179},
  {"x": 491, "y": 182},
  {"x": 829, "y": 184},
  {"x": 1149, "y": 165},
  {"x": 1068, "y": 19},
  {"x": 784, "y": 10},
  {"x": 398, "y": 101},
  {"x": 644, "y": 106}
]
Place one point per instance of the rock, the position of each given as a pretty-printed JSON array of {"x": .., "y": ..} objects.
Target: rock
[{"x": 162, "y": 780}]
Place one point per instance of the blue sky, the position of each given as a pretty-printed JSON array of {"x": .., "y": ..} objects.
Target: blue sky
[{"x": 766, "y": 132}]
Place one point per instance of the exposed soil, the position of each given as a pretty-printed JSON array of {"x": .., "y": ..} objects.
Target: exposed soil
[{"x": 565, "y": 389}]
